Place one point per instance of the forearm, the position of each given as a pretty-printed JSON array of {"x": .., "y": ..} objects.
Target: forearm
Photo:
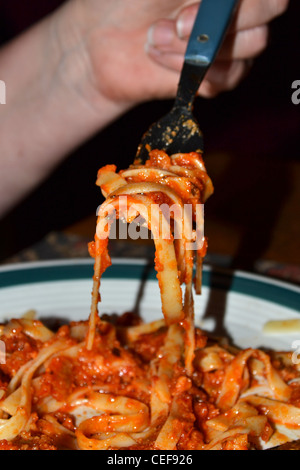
[{"x": 51, "y": 106}]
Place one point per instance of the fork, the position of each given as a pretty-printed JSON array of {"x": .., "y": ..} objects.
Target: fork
[{"x": 178, "y": 131}]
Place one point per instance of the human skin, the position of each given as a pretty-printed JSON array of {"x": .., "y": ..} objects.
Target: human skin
[{"x": 91, "y": 61}]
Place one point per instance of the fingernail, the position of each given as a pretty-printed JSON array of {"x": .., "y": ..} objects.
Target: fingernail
[
  {"x": 185, "y": 22},
  {"x": 161, "y": 34}
]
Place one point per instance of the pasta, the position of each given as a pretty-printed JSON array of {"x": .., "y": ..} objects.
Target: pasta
[{"x": 107, "y": 384}]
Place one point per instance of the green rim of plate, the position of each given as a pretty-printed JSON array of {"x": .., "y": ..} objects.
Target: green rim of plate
[{"x": 256, "y": 286}]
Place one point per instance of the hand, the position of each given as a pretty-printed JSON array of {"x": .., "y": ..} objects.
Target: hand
[
  {"x": 247, "y": 37},
  {"x": 104, "y": 41},
  {"x": 111, "y": 37}
]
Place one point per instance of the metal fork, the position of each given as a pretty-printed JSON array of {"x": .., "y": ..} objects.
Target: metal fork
[{"x": 178, "y": 131}]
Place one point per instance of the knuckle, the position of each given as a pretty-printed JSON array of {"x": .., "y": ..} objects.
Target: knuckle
[{"x": 280, "y": 6}]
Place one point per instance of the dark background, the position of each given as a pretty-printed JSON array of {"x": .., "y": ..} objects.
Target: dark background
[{"x": 252, "y": 154}]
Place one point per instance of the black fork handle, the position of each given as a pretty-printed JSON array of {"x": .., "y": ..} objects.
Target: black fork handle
[{"x": 211, "y": 24}]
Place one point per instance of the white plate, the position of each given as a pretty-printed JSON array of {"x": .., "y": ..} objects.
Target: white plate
[{"x": 234, "y": 304}]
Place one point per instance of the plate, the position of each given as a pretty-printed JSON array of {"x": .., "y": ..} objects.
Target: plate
[{"x": 232, "y": 304}]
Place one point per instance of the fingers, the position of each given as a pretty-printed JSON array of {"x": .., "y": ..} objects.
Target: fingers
[
  {"x": 229, "y": 68},
  {"x": 164, "y": 45},
  {"x": 250, "y": 14},
  {"x": 245, "y": 44},
  {"x": 224, "y": 76},
  {"x": 247, "y": 38}
]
